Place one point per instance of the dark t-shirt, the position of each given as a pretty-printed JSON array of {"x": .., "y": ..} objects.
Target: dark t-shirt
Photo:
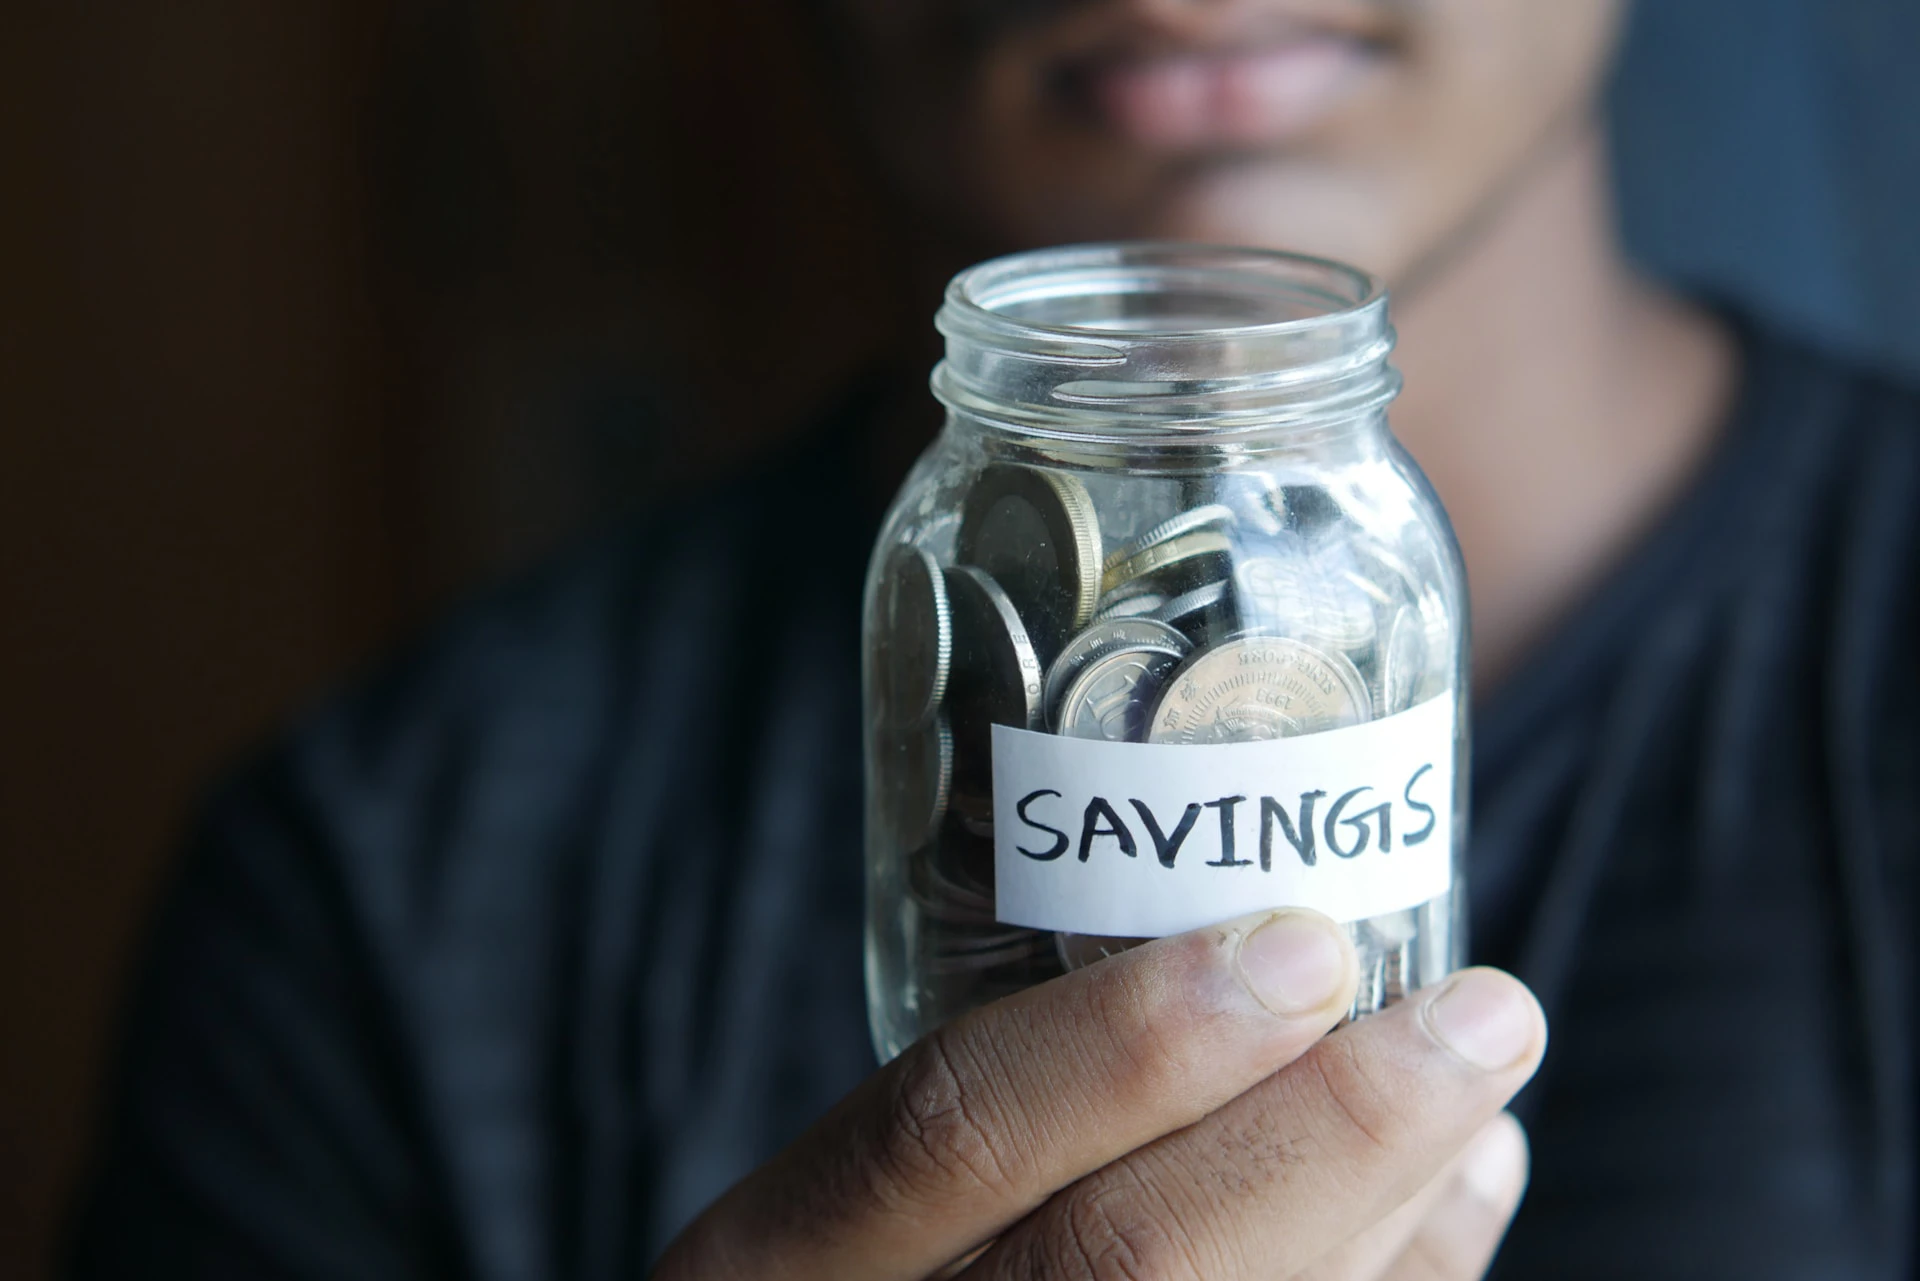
[{"x": 506, "y": 963}]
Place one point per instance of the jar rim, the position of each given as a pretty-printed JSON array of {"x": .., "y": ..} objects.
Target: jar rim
[
  {"x": 983, "y": 293},
  {"x": 1119, "y": 339}
]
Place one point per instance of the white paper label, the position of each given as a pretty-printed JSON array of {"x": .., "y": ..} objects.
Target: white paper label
[{"x": 1146, "y": 839}]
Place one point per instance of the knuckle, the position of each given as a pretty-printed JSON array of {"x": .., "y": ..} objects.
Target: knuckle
[
  {"x": 1115, "y": 1234},
  {"x": 939, "y": 1141},
  {"x": 1148, "y": 1055},
  {"x": 1356, "y": 1098}
]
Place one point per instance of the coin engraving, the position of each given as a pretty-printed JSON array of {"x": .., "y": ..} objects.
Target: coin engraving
[
  {"x": 1103, "y": 636},
  {"x": 1257, "y": 688},
  {"x": 1113, "y": 697}
]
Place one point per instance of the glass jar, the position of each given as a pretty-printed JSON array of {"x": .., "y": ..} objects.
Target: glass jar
[{"x": 1164, "y": 628}]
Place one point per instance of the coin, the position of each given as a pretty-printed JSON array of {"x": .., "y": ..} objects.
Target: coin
[
  {"x": 942, "y": 897},
  {"x": 1035, "y": 532},
  {"x": 1255, "y": 499},
  {"x": 1186, "y": 522},
  {"x": 1437, "y": 672},
  {"x": 983, "y": 938},
  {"x": 1201, "y": 612},
  {"x": 1291, "y": 594},
  {"x": 918, "y": 799},
  {"x": 1098, "y": 639},
  {"x": 1309, "y": 508},
  {"x": 1112, "y": 698},
  {"x": 1403, "y": 660},
  {"x": 1392, "y": 928},
  {"x": 1130, "y": 605},
  {"x": 965, "y": 859},
  {"x": 912, "y": 663},
  {"x": 1030, "y": 946},
  {"x": 996, "y": 676},
  {"x": 1198, "y": 550},
  {"x": 1257, "y": 688}
]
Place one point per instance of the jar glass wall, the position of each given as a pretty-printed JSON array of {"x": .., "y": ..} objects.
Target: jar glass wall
[{"x": 1165, "y": 517}]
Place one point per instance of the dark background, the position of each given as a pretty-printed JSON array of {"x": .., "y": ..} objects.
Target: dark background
[{"x": 313, "y": 316}]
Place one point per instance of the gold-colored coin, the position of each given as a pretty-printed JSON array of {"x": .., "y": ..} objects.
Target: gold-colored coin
[
  {"x": 1035, "y": 533},
  {"x": 1212, "y": 516},
  {"x": 1169, "y": 555}
]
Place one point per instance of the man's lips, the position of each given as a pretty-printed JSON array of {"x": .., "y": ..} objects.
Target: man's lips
[{"x": 1222, "y": 98}]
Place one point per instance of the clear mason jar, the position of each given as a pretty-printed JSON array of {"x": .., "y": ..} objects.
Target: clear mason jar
[{"x": 1164, "y": 627}]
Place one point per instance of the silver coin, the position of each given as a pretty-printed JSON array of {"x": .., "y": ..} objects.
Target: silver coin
[
  {"x": 941, "y": 897},
  {"x": 1035, "y": 532},
  {"x": 1102, "y": 637},
  {"x": 1403, "y": 661},
  {"x": 1112, "y": 698},
  {"x": 983, "y": 939},
  {"x": 1030, "y": 948},
  {"x": 1175, "y": 560},
  {"x": 1437, "y": 673},
  {"x": 1392, "y": 577},
  {"x": 1293, "y": 595},
  {"x": 1392, "y": 929},
  {"x": 1255, "y": 498},
  {"x": 1200, "y": 609},
  {"x": 912, "y": 664},
  {"x": 1139, "y": 605},
  {"x": 918, "y": 800},
  {"x": 1186, "y": 522},
  {"x": 996, "y": 677},
  {"x": 973, "y": 818},
  {"x": 1257, "y": 688},
  {"x": 1394, "y": 974},
  {"x": 960, "y": 865}
]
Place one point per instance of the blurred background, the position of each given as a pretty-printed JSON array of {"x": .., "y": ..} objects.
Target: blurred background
[{"x": 313, "y": 317}]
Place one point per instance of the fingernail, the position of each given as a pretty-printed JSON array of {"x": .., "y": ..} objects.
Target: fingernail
[
  {"x": 1494, "y": 1167},
  {"x": 1293, "y": 962},
  {"x": 1484, "y": 1017}
]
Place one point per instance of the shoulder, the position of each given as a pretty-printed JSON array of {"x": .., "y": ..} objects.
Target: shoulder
[
  {"x": 380, "y": 915},
  {"x": 1813, "y": 387},
  {"x": 1832, "y": 569},
  {"x": 490, "y": 732}
]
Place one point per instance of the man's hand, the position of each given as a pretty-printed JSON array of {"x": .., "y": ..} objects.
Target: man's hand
[{"x": 1172, "y": 1112}]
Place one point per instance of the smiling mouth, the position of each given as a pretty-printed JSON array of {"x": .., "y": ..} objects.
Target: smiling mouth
[{"x": 1237, "y": 97}]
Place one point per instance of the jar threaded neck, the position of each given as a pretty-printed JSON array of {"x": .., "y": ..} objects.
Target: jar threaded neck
[{"x": 1130, "y": 341}]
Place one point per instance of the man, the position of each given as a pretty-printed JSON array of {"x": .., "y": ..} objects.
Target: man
[{"x": 512, "y": 962}]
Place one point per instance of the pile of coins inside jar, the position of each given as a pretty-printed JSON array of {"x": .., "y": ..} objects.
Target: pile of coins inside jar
[{"x": 1249, "y": 610}]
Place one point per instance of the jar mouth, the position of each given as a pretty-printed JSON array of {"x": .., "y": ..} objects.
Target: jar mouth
[
  {"x": 1167, "y": 291},
  {"x": 1112, "y": 340}
]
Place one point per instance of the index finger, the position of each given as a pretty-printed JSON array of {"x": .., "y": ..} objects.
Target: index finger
[{"x": 981, "y": 1121}]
